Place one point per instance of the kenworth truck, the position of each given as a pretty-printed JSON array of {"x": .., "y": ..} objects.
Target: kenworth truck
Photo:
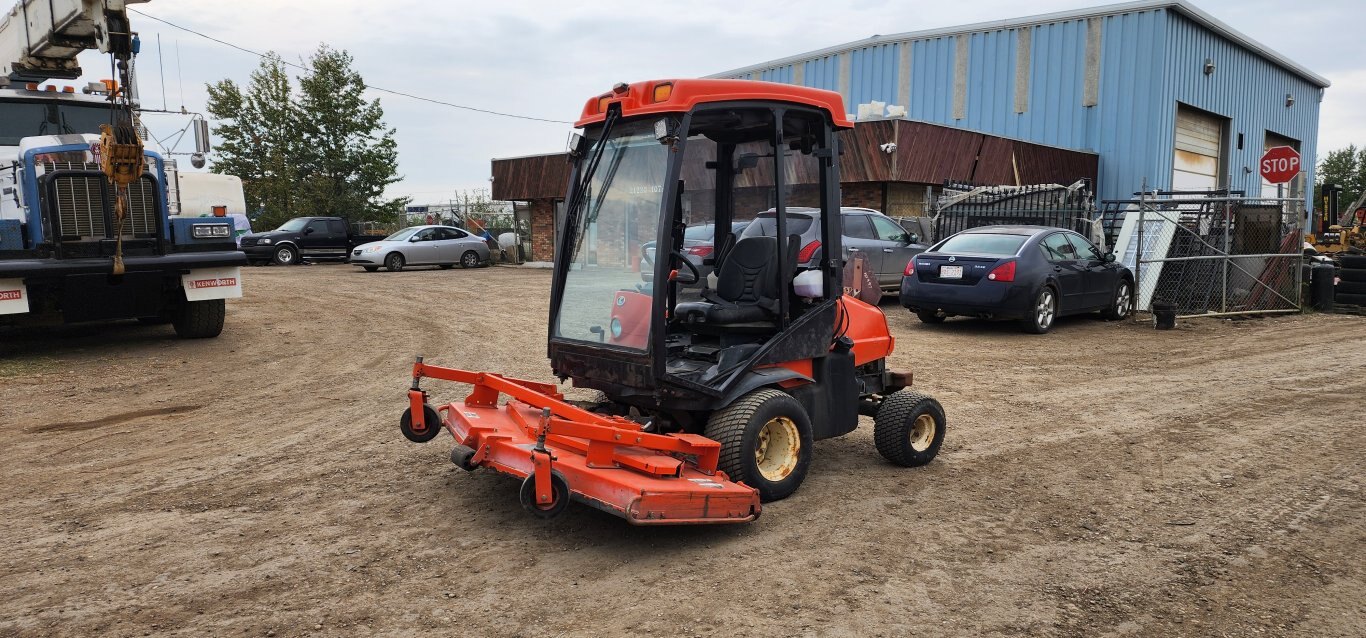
[{"x": 65, "y": 256}]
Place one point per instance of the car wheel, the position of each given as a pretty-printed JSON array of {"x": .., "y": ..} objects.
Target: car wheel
[
  {"x": 286, "y": 256},
  {"x": 765, "y": 439},
  {"x": 371, "y": 268},
  {"x": 470, "y": 259},
  {"x": 1042, "y": 313},
  {"x": 393, "y": 262},
  {"x": 1123, "y": 302},
  {"x": 930, "y": 316}
]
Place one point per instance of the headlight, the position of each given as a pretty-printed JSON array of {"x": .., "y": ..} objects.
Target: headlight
[
  {"x": 616, "y": 328},
  {"x": 374, "y": 249},
  {"x": 210, "y": 231},
  {"x": 265, "y": 241}
]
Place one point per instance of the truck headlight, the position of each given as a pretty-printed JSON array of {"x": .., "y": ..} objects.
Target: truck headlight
[
  {"x": 210, "y": 231},
  {"x": 265, "y": 241}
]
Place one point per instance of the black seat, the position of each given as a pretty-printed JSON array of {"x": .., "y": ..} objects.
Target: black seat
[{"x": 746, "y": 289}]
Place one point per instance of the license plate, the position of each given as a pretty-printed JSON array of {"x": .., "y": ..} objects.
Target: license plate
[{"x": 950, "y": 272}]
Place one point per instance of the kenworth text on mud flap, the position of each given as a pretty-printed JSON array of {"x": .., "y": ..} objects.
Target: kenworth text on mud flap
[
  {"x": 711, "y": 398},
  {"x": 86, "y": 232}
]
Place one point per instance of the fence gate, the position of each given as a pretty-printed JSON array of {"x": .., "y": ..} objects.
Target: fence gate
[
  {"x": 1210, "y": 254},
  {"x": 963, "y": 206}
]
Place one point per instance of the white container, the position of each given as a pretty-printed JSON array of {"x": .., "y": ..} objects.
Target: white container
[{"x": 809, "y": 284}]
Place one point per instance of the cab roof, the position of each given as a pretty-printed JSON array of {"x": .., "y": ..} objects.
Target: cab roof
[{"x": 638, "y": 99}]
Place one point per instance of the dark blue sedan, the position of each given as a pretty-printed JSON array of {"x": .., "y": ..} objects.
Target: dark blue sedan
[{"x": 1033, "y": 274}]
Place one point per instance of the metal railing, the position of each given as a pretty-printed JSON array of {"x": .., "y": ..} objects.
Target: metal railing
[{"x": 963, "y": 206}]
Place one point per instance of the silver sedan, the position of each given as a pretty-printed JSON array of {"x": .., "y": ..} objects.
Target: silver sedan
[{"x": 443, "y": 246}]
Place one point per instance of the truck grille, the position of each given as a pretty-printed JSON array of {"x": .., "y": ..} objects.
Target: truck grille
[{"x": 81, "y": 206}]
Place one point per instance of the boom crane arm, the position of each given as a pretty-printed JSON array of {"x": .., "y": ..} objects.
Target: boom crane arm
[{"x": 40, "y": 39}]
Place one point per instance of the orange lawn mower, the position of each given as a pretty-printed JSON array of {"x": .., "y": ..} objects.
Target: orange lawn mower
[{"x": 712, "y": 388}]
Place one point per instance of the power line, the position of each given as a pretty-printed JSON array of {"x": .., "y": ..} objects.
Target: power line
[{"x": 368, "y": 86}]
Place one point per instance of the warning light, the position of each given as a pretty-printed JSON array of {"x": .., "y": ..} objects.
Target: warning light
[{"x": 662, "y": 91}]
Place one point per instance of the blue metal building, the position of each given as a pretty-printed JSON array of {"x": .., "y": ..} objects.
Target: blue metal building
[{"x": 1166, "y": 94}]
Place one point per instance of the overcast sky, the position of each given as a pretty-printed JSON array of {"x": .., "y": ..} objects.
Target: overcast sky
[{"x": 544, "y": 59}]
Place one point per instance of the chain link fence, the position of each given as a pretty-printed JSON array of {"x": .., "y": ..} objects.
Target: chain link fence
[{"x": 1209, "y": 254}]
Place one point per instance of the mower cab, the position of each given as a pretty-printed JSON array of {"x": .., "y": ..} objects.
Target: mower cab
[{"x": 720, "y": 382}]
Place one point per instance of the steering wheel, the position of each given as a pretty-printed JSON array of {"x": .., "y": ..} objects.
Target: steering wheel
[{"x": 696, "y": 276}]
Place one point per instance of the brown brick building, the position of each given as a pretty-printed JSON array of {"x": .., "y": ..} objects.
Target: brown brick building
[{"x": 886, "y": 165}]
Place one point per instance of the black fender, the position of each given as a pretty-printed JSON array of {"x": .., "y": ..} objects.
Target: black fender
[{"x": 760, "y": 378}]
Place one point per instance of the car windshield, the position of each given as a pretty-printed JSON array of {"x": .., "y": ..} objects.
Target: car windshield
[
  {"x": 401, "y": 235},
  {"x": 24, "y": 119},
  {"x": 618, "y": 213},
  {"x": 766, "y": 225},
  {"x": 994, "y": 244},
  {"x": 294, "y": 225}
]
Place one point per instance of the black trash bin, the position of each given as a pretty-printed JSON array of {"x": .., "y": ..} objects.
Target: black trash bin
[
  {"x": 1321, "y": 280},
  {"x": 1164, "y": 315}
]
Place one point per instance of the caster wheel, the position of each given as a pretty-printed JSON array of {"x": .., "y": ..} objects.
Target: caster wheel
[
  {"x": 559, "y": 488},
  {"x": 431, "y": 422}
]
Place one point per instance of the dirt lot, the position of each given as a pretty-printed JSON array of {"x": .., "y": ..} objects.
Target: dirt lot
[{"x": 1105, "y": 479}]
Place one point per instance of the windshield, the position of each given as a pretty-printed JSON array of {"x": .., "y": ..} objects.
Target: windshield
[
  {"x": 996, "y": 245},
  {"x": 618, "y": 213},
  {"x": 700, "y": 233},
  {"x": 294, "y": 225},
  {"x": 401, "y": 235},
  {"x": 766, "y": 225},
  {"x": 26, "y": 119}
]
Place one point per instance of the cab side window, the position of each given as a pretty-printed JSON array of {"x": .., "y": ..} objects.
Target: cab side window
[
  {"x": 458, "y": 234},
  {"x": 317, "y": 227},
  {"x": 336, "y": 226},
  {"x": 888, "y": 230},
  {"x": 427, "y": 234},
  {"x": 1056, "y": 248}
]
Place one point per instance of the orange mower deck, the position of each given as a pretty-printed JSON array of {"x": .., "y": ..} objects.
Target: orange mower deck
[{"x": 563, "y": 452}]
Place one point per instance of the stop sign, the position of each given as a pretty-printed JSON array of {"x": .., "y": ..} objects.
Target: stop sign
[{"x": 1280, "y": 164}]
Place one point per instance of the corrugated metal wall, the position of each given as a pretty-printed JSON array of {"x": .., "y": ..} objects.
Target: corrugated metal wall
[
  {"x": 1105, "y": 84},
  {"x": 1245, "y": 88}
]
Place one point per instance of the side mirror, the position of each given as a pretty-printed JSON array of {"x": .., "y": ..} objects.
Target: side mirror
[
  {"x": 913, "y": 238},
  {"x": 414, "y": 239},
  {"x": 1110, "y": 258},
  {"x": 308, "y": 230}
]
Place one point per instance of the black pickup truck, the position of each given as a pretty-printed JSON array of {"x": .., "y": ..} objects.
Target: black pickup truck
[{"x": 302, "y": 238}]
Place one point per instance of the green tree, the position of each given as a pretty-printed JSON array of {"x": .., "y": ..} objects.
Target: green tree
[
  {"x": 1345, "y": 167},
  {"x": 348, "y": 156},
  {"x": 259, "y": 141},
  {"x": 323, "y": 150}
]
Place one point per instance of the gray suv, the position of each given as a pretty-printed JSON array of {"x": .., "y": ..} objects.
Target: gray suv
[{"x": 887, "y": 246}]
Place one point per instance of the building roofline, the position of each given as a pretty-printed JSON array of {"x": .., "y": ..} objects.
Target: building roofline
[{"x": 1180, "y": 6}]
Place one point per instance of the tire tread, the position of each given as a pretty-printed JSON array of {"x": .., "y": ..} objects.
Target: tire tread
[
  {"x": 199, "y": 319},
  {"x": 889, "y": 426}
]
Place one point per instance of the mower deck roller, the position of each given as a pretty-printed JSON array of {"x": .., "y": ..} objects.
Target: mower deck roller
[{"x": 563, "y": 452}]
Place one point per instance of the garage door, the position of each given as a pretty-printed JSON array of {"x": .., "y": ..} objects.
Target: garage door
[{"x": 1199, "y": 144}]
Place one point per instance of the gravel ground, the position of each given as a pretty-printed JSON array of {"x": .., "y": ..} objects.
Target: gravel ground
[{"x": 1106, "y": 479}]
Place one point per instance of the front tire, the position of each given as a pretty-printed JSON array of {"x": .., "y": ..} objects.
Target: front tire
[
  {"x": 470, "y": 259},
  {"x": 1122, "y": 303},
  {"x": 286, "y": 256},
  {"x": 909, "y": 428},
  {"x": 199, "y": 319},
  {"x": 393, "y": 262},
  {"x": 766, "y": 442},
  {"x": 1042, "y": 313}
]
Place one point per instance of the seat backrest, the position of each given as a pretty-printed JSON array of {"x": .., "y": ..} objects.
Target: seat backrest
[{"x": 748, "y": 273}]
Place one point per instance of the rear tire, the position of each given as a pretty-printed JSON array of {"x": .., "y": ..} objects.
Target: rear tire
[
  {"x": 199, "y": 319},
  {"x": 286, "y": 256},
  {"x": 1122, "y": 303},
  {"x": 928, "y": 316},
  {"x": 1042, "y": 313},
  {"x": 393, "y": 262},
  {"x": 470, "y": 259},
  {"x": 909, "y": 428},
  {"x": 766, "y": 442}
]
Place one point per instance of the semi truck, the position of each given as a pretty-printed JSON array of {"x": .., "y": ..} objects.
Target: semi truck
[{"x": 75, "y": 244}]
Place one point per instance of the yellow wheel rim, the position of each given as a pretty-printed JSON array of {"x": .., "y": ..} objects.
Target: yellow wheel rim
[
  {"x": 777, "y": 449},
  {"x": 922, "y": 432}
]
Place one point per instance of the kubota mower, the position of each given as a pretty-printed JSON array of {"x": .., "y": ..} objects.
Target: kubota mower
[{"x": 713, "y": 387}]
